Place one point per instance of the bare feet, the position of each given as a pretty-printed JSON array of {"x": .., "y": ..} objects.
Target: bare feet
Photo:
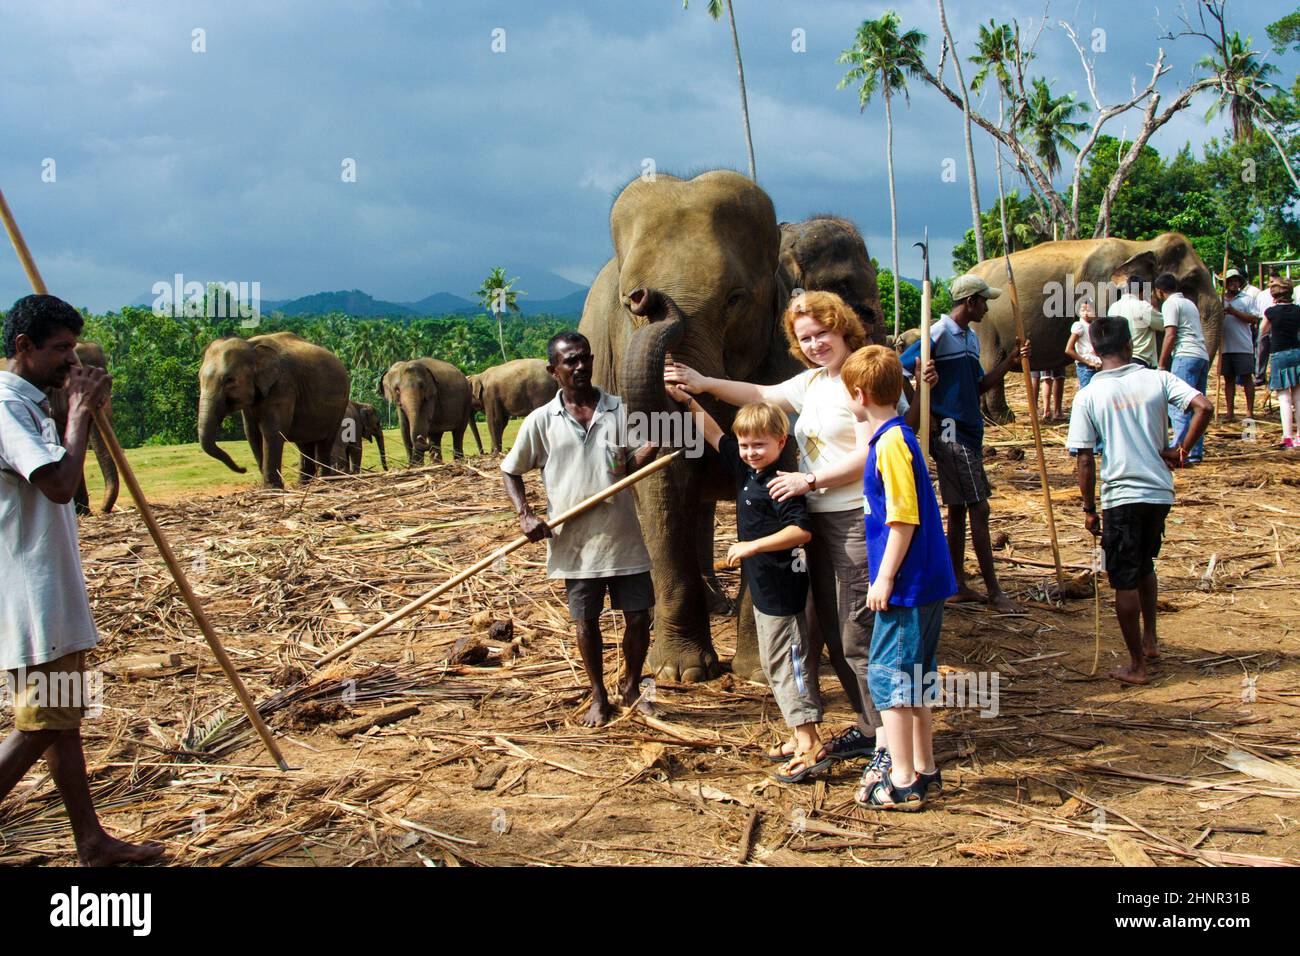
[
  {"x": 1150, "y": 649},
  {"x": 597, "y": 714},
  {"x": 1130, "y": 675},
  {"x": 965, "y": 595},
  {"x": 104, "y": 850},
  {"x": 1004, "y": 605}
]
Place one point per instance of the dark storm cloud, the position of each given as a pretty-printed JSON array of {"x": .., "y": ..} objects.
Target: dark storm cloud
[{"x": 226, "y": 164}]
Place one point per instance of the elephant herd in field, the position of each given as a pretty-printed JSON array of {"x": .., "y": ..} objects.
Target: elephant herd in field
[{"x": 288, "y": 390}]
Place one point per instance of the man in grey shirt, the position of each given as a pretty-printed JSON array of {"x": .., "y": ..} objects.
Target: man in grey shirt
[
  {"x": 1237, "y": 356},
  {"x": 578, "y": 439},
  {"x": 45, "y": 622}
]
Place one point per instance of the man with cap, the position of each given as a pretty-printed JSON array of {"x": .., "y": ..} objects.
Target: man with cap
[
  {"x": 957, "y": 438},
  {"x": 1237, "y": 356}
]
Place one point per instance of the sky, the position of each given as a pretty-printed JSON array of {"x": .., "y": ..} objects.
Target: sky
[{"x": 229, "y": 163}]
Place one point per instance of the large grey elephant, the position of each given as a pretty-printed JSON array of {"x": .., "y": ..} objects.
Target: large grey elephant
[
  {"x": 432, "y": 397},
  {"x": 360, "y": 424},
  {"x": 90, "y": 353},
  {"x": 510, "y": 390},
  {"x": 1053, "y": 276},
  {"x": 712, "y": 248},
  {"x": 286, "y": 388}
]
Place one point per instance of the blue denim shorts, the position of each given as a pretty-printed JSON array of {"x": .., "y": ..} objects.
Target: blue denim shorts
[{"x": 904, "y": 648}]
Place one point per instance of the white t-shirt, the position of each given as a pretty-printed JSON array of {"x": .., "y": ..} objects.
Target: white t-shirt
[
  {"x": 1237, "y": 334},
  {"x": 1143, "y": 324},
  {"x": 1083, "y": 344},
  {"x": 44, "y": 611},
  {"x": 1181, "y": 314},
  {"x": 1127, "y": 408},
  {"x": 825, "y": 434}
]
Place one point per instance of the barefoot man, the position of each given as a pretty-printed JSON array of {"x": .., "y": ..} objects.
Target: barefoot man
[
  {"x": 579, "y": 440},
  {"x": 45, "y": 623},
  {"x": 1125, "y": 406}
]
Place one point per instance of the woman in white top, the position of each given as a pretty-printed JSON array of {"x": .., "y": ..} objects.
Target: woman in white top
[{"x": 823, "y": 331}]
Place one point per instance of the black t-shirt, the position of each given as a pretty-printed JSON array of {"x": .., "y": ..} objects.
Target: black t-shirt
[
  {"x": 778, "y": 580},
  {"x": 1284, "y": 326}
]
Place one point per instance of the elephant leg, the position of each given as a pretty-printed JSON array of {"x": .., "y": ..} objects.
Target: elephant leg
[
  {"x": 993, "y": 403},
  {"x": 714, "y": 593},
  {"x": 669, "y": 507},
  {"x": 254, "y": 436},
  {"x": 273, "y": 454},
  {"x": 746, "y": 664},
  {"x": 307, "y": 464},
  {"x": 354, "y": 460},
  {"x": 458, "y": 443},
  {"x": 497, "y": 426}
]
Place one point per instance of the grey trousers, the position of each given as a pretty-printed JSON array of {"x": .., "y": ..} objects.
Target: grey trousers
[
  {"x": 783, "y": 652},
  {"x": 837, "y": 568}
]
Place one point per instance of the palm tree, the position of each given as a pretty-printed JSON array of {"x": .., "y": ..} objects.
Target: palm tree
[
  {"x": 715, "y": 11},
  {"x": 970, "y": 146},
  {"x": 996, "y": 49},
  {"x": 1050, "y": 120},
  {"x": 1243, "y": 78},
  {"x": 497, "y": 294},
  {"x": 882, "y": 59}
]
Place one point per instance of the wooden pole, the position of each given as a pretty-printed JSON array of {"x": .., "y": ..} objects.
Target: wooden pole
[
  {"x": 146, "y": 512},
  {"x": 923, "y": 387},
  {"x": 581, "y": 507},
  {"x": 1029, "y": 384}
]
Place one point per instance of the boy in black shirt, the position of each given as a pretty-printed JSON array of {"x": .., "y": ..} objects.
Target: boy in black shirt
[{"x": 767, "y": 532}]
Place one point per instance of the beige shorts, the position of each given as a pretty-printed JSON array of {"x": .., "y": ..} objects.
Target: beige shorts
[{"x": 32, "y": 698}]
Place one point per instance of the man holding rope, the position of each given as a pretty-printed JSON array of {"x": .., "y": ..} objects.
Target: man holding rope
[
  {"x": 45, "y": 622},
  {"x": 579, "y": 440}
]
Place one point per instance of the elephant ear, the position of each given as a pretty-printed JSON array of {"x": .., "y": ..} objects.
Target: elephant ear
[
  {"x": 389, "y": 385},
  {"x": 266, "y": 367},
  {"x": 1142, "y": 265}
]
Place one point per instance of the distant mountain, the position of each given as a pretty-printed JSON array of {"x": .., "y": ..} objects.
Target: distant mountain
[
  {"x": 354, "y": 302},
  {"x": 571, "y": 304},
  {"x": 443, "y": 303}
]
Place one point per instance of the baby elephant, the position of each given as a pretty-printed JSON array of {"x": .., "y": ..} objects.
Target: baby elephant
[{"x": 360, "y": 424}]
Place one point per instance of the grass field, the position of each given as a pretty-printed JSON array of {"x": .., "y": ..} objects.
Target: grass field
[{"x": 176, "y": 472}]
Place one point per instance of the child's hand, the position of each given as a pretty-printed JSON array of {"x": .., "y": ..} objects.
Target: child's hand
[
  {"x": 678, "y": 394},
  {"x": 738, "y": 552},
  {"x": 878, "y": 596}
]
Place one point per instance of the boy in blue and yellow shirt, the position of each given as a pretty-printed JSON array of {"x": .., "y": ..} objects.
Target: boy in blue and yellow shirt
[{"x": 911, "y": 578}]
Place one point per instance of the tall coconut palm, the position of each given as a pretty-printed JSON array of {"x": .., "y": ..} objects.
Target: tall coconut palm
[
  {"x": 995, "y": 51},
  {"x": 1049, "y": 121},
  {"x": 976, "y": 220},
  {"x": 882, "y": 59},
  {"x": 498, "y": 295},
  {"x": 715, "y": 10},
  {"x": 1243, "y": 79}
]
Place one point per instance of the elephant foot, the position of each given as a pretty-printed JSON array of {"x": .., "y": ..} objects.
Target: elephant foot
[
  {"x": 684, "y": 662},
  {"x": 747, "y": 666}
]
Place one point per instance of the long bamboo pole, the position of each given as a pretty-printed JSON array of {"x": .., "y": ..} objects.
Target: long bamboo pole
[
  {"x": 1029, "y": 384},
  {"x": 146, "y": 512},
  {"x": 923, "y": 387},
  {"x": 587, "y": 504}
]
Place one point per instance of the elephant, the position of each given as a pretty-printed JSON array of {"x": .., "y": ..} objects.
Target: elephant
[
  {"x": 1051, "y": 278},
  {"x": 286, "y": 388},
  {"x": 89, "y": 353},
  {"x": 510, "y": 390},
  {"x": 711, "y": 271},
  {"x": 906, "y": 339},
  {"x": 360, "y": 424},
  {"x": 433, "y": 397}
]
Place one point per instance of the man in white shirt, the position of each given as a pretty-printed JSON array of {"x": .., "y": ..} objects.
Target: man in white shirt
[
  {"x": 1237, "y": 353},
  {"x": 1144, "y": 321},
  {"x": 1183, "y": 353},
  {"x": 45, "y": 623},
  {"x": 1124, "y": 406}
]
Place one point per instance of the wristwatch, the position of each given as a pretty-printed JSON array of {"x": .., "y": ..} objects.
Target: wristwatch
[{"x": 811, "y": 478}]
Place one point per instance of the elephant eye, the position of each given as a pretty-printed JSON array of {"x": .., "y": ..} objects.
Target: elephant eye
[{"x": 736, "y": 298}]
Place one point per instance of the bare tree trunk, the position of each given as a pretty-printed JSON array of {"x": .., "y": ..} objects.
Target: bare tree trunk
[
  {"x": 1281, "y": 154},
  {"x": 970, "y": 146},
  {"x": 893, "y": 209},
  {"x": 744, "y": 101}
]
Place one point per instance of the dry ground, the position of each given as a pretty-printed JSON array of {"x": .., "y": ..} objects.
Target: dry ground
[{"x": 1074, "y": 769}]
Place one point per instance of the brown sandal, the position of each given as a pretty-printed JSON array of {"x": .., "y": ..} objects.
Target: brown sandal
[{"x": 802, "y": 766}]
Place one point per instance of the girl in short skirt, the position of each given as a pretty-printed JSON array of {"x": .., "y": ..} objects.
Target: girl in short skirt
[{"x": 1283, "y": 322}]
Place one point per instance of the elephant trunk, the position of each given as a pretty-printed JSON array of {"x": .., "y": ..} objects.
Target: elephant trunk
[
  {"x": 641, "y": 375},
  {"x": 383, "y": 456},
  {"x": 418, "y": 419},
  {"x": 1211, "y": 308},
  {"x": 112, "y": 484},
  {"x": 212, "y": 410}
]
